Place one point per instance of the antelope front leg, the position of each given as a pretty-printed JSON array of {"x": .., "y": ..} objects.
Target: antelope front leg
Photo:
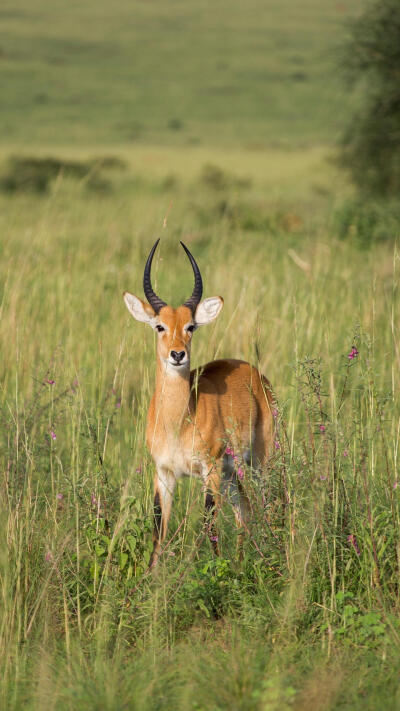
[
  {"x": 212, "y": 502},
  {"x": 164, "y": 485}
]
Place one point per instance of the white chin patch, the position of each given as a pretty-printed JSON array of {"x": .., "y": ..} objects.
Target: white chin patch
[{"x": 174, "y": 367}]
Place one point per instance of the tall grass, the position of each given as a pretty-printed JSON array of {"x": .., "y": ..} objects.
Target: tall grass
[{"x": 310, "y": 618}]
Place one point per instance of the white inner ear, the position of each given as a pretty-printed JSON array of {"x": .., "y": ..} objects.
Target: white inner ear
[
  {"x": 139, "y": 309},
  {"x": 208, "y": 310}
]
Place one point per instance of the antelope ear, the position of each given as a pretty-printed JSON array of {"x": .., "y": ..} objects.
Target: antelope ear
[
  {"x": 140, "y": 310},
  {"x": 208, "y": 310}
]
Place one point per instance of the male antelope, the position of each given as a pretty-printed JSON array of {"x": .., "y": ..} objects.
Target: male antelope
[{"x": 194, "y": 415}]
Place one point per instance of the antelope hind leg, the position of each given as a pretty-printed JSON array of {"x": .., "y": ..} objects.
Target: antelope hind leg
[{"x": 237, "y": 497}]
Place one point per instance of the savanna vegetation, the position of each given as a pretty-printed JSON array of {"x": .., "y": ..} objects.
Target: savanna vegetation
[
  {"x": 216, "y": 126},
  {"x": 371, "y": 144}
]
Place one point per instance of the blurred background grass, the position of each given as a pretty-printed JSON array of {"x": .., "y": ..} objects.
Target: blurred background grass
[
  {"x": 217, "y": 124},
  {"x": 95, "y": 73}
]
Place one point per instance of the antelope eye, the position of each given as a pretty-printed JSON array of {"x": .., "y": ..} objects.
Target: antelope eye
[
  {"x": 159, "y": 328},
  {"x": 191, "y": 328}
]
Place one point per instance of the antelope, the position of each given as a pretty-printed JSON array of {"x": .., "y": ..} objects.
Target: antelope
[{"x": 194, "y": 415}]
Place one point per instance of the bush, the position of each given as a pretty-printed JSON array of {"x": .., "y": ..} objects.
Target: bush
[
  {"x": 371, "y": 144},
  {"x": 367, "y": 221},
  {"x": 25, "y": 174}
]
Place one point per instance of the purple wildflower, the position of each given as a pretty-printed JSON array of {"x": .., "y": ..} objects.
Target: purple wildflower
[
  {"x": 50, "y": 382},
  {"x": 118, "y": 404},
  {"x": 345, "y": 453},
  {"x": 230, "y": 451},
  {"x": 322, "y": 477},
  {"x": 277, "y": 445},
  {"x": 53, "y": 434},
  {"x": 322, "y": 428},
  {"x": 48, "y": 557},
  {"x": 353, "y": 353},
  {"x": 240, "y": 473},
  {"x": 93, "y": 500},
  {"x": 395, "y": 485},
  {"x": 275, "y": 413},
  {"x": 60, "y": 497},
  {"x": 353, "y": 542},
  {"x": 214, "y": 539}
]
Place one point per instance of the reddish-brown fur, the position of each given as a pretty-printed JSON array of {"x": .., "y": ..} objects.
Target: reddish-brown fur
[{"x": 194, "y": 415}]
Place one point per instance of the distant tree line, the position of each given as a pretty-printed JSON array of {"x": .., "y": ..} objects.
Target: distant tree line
[{"x": 370, "y": 147}]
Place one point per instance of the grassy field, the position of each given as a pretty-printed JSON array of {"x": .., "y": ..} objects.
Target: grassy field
[
  {"x": 310, "y": 618},
  {"x": 260, "y": 73}
]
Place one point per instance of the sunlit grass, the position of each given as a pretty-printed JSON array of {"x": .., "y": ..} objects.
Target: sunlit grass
[{"x": 315, "y": 604}]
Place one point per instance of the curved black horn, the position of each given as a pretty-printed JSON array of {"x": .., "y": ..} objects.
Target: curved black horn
[
  {"x": 151, "y": 296},
  {"x": 198, "y": 283}
]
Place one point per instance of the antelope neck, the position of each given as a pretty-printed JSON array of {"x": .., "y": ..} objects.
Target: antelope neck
[{"x": 172, "y": 395}]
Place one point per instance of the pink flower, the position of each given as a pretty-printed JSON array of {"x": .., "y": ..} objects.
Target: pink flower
[
  {"x": 93, "y": 500},
  {"x": 48, "y": 557},
  {"x": 322, "y": 428},
  {"x": 138, "y": 469},
  {"x": 118, "y": 404},
  {"x": 53, "y": 434},
  {"x": 240, "y": 473},
  {"x": 277, "y": 445},
  {"x": 395, "y": 485},
  {"x": 353, "y": 542},
  {"x": 322, "y": 477},
  {"x": 214, "y": 539},
  {"x": 50, "y": 382},
  {"x": 60, "y": 497},
  {"x": 230, "y": 452},
  {"x": 345, "y": 453},
  {"x": 275, "y": 413},
  {"x": 353, "y": 353}
]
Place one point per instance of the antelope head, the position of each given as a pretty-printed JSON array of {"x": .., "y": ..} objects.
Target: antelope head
[{"x": 174, "y": 327}]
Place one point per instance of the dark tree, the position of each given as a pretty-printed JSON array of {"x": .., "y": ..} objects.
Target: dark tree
[{"x": 371, "y": 144}]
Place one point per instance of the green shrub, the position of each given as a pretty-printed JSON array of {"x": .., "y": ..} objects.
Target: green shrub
[
  {"x": 367, "y": 220},
  {"x": 24, "y": 174},
  {"x": 371, "y": 144}
]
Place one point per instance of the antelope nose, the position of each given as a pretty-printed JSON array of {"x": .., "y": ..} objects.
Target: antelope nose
[{"x": 177, "y": 356}]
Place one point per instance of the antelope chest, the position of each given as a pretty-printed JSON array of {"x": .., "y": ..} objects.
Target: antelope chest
[{"x": 180, "y": 460}]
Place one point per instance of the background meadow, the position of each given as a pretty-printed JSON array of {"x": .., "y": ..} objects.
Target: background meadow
[{"x": 216, "y": 125}]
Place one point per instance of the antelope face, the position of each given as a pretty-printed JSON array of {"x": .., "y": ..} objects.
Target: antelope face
[{"x": 174, "y": 327}]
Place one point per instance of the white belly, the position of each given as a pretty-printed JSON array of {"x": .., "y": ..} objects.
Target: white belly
[{"x": 179, "y": 462}]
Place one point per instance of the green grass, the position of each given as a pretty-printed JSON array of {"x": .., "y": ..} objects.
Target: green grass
[
  {"x": 223, "y": 120},
  {"x": 311, "y": 616},
  {"x": 94, "y": 73}
]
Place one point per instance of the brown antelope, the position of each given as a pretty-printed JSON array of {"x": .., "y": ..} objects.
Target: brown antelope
[{"x": 194, "y": 415}]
